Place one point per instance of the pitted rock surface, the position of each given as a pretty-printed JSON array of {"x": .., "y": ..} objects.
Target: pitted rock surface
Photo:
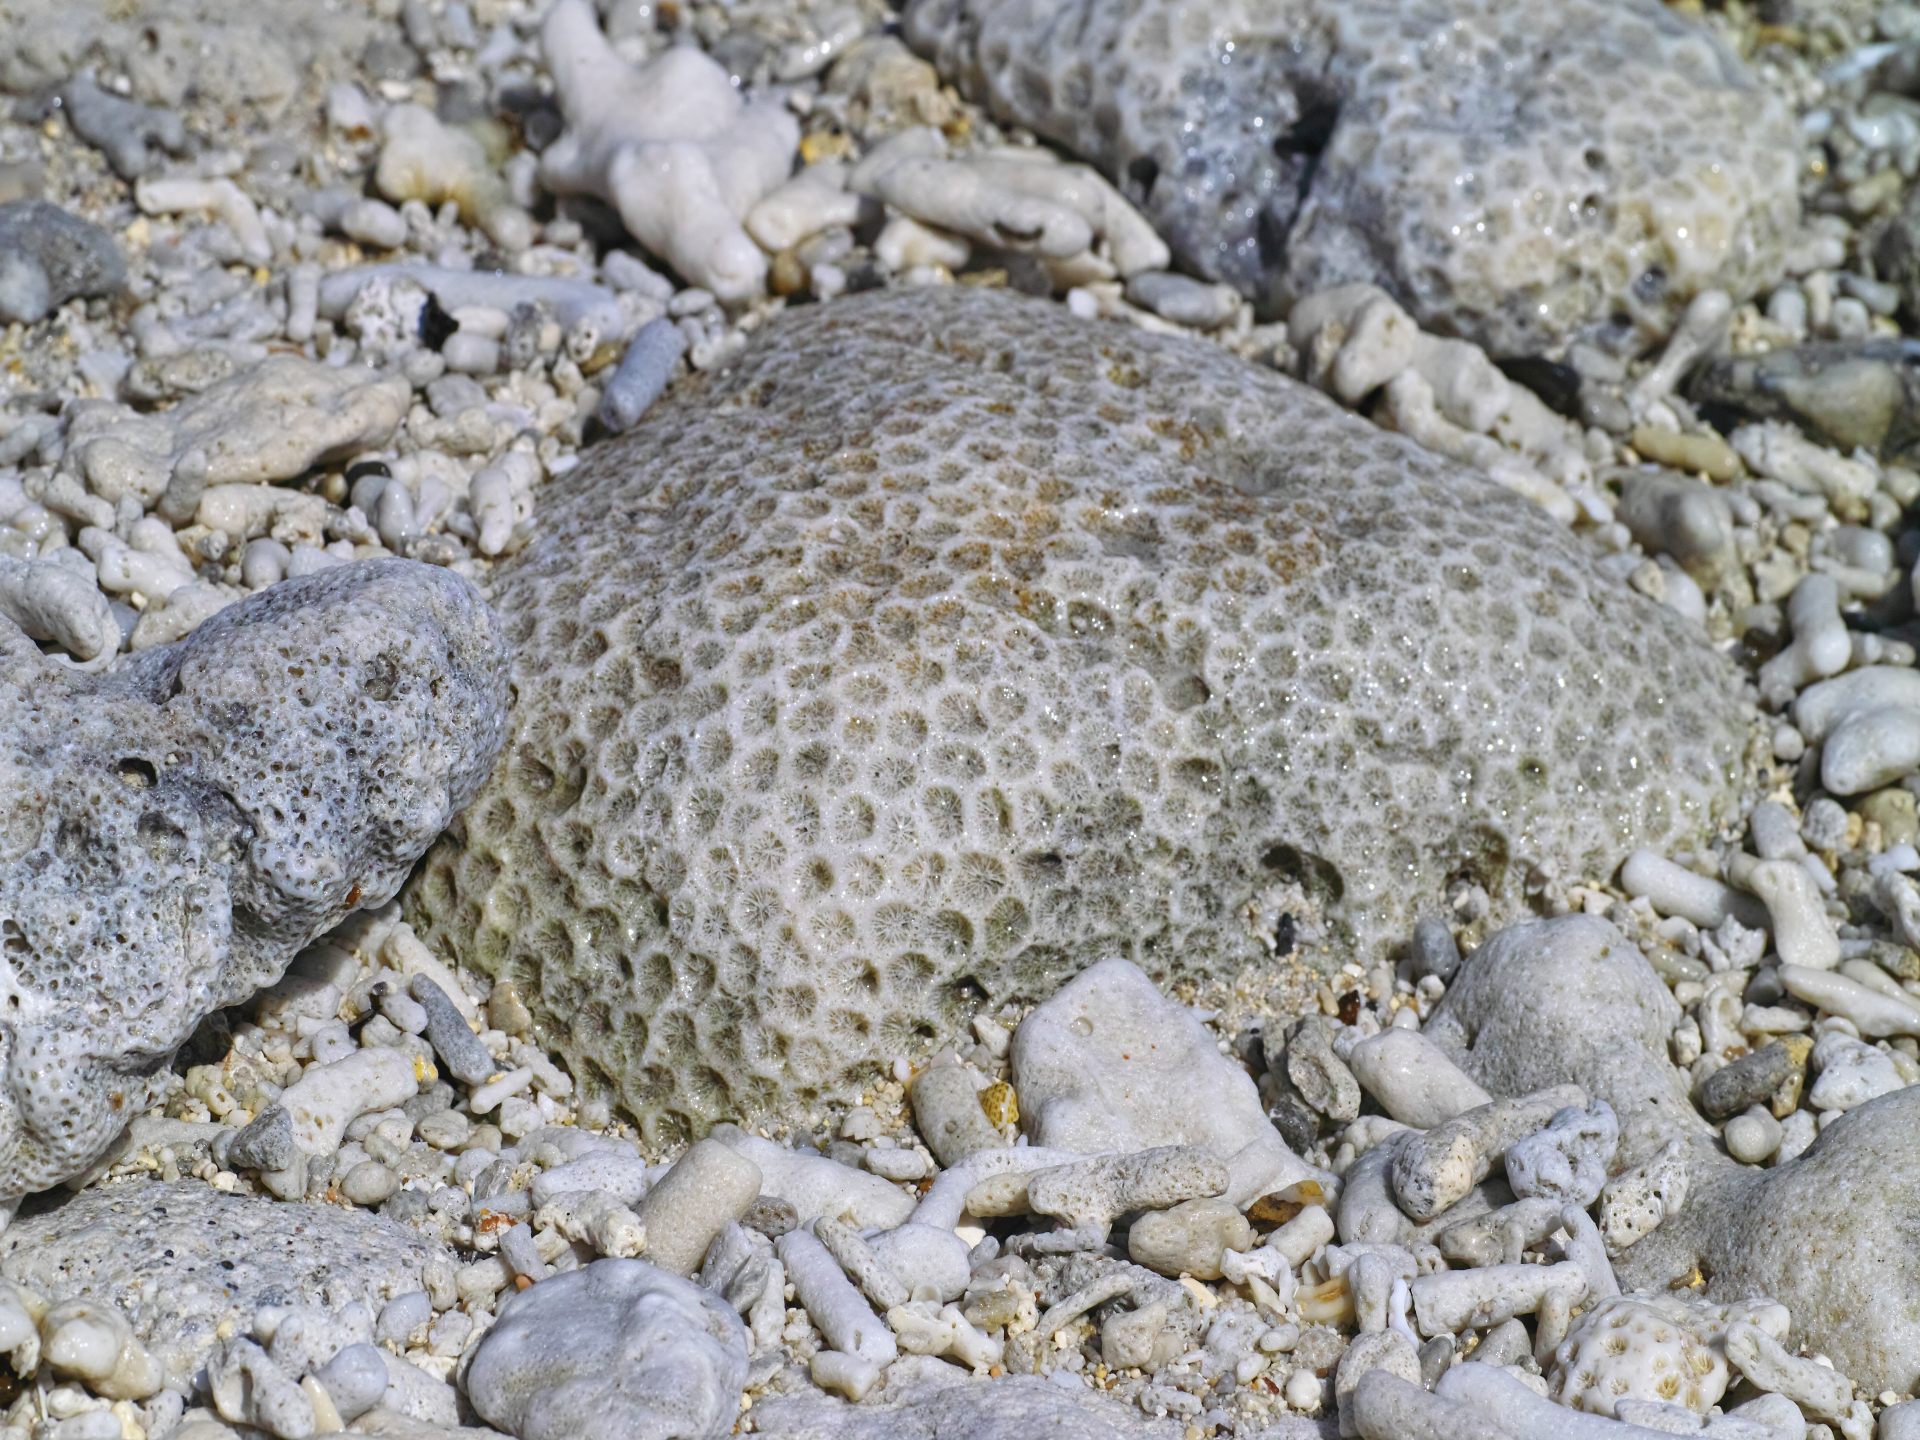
[
  {"x": 1509, "y": 179},
  {"x": 182, "y": 1259},
  {"x": 946, "y": 644},
  {"x": 175, "y": 829}
]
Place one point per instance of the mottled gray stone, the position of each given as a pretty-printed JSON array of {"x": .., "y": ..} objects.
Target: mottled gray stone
[
  {"x": 48, "y": 257},
  {"x": 182, "y": 1259},
  {"x": 459, "y": 1049},
  {"x": 619, "y": 1350},
  {"x": 1321, "y": 1077},
  {"x": 265, "y": 1143},
  {"x": 1845, "y": 392},
  {"x": 1750, "y": 1080},
  {"x": 173, "y": 830}
]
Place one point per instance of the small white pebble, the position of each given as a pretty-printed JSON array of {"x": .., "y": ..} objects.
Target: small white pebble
[
  {"x": 1752, "y": 1137},
  {"x": 860, "y": 1124},
  {"x": 374, "y": 222},
  {"x": 897, "y": 1164},
  {"x": 488, "y": 1096},
  {"x": 467, "y": 353},
  {"x": 369, "y": 1183},
  {"x": 1303, "y": 1391}
]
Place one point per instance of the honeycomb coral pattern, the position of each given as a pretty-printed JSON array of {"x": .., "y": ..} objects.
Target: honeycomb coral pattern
[
  {"x": 1511, "y": 173},
  {"x": 947, "y": 643},
  {"x": 173, "y": 831},
  {"x": 1648, "y": 1347}
]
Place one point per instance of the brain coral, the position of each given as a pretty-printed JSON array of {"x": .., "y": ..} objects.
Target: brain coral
[
  {"x": 1512, "y": 173},
  {"x": 172, "y": 831},
  {"x": 946, "y": 643}
]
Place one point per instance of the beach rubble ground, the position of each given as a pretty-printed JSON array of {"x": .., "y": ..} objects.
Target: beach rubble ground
[{"x": 799, "y": 720}]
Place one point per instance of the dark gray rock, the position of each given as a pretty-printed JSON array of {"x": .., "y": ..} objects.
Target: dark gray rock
[
  {"x": 459, "y": 1049},
  {"x": 1750, "y": 1080},
  {"x": 1433, "y": 951},
  {"x": 266, "y": 1143},
  {"x": 48, "y": 257}
]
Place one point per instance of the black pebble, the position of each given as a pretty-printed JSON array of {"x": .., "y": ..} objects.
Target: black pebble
[{"x": 435, "y": 324}]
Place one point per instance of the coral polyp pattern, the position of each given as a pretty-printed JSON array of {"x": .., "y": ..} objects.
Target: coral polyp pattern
[
  {"x": 946, "y": 643},
  {"x": 1510, "y": 181}
]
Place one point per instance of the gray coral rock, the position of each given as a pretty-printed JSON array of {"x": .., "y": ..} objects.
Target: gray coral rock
[
  {"x": 132, "y": 136},
  {"x": 184, "y": 1259},
  {"x": 947, "y": 644},
  {"x": 1829, "y": 1234},
  {"x": 619, "y": 1350},
  {"x": 174, "y": 830},
  {"x": 48, "y": 257},
  {"x": 1594, "y": 1014},
  {"x": 272, "y": 421},
  {"x": 1510, "y": 177}
]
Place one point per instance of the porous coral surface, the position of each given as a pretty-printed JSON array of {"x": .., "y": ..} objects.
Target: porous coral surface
[
  {"x": 1512, "y": 175},
  {"x": 173, "y": 830},
  {"x": 183, "y": 1259},
  {"x": 948, "y": 643}
]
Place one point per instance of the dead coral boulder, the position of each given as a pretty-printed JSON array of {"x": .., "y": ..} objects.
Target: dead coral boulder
[
  {"x": 174, "y": 830},
  {"x": 1511, "y": 176},
  {"x": 947, "y": 644}
]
